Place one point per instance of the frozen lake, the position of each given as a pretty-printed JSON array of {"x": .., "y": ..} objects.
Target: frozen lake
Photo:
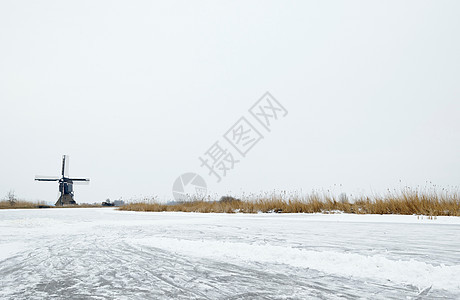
[{"x": 101, "y": 253}]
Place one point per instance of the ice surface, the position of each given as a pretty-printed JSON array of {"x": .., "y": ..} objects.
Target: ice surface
[{"x": 102, "y": 253}]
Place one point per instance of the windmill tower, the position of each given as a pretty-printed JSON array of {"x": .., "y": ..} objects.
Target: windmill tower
[{"x": 65, "y": 183}]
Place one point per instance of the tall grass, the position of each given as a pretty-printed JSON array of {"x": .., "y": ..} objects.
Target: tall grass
[
  {"x": 21, "y": 204},
  {"x": 405, "y": 202}
]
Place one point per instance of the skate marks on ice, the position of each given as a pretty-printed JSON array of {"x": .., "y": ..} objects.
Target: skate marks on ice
[
  {"x": 106, "y": 254},
  {"x": 95, "y": 268}
]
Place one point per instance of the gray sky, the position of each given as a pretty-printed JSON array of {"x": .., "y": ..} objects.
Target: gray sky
[{"x": 136, "y": 91}]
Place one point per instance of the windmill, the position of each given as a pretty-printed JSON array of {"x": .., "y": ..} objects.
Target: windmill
[{"x": 65, "y": 183}]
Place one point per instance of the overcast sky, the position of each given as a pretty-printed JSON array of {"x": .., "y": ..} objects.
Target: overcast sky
[{"x": 136, "y": 91}]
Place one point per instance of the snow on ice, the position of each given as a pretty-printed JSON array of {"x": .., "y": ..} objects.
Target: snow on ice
[{"x": 102, "y": 253}]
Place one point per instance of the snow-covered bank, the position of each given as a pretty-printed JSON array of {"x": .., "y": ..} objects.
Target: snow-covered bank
[{"x": 107, "y": 254}]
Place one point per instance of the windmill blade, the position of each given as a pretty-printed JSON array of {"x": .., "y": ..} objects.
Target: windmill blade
[
  {"x": 65, "y": 166},
  {"x": 80, "y": 181},
  {"x": 46, "y": 178}
]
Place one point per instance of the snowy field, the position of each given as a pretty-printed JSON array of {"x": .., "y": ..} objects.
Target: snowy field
[{"x": 101, "y": 253}]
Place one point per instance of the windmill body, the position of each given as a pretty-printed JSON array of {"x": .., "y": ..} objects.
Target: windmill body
[{"x": 65, "y": 183}]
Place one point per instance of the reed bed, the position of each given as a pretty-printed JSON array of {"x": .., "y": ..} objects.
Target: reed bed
[
  {"x": 406, "y": 202},
  {"x": 21, "y": 204}
]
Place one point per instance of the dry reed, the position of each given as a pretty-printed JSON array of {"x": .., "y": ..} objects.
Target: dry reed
[
  {"x": 21, "y": 204},
  {"x": 406, "y": 202}
]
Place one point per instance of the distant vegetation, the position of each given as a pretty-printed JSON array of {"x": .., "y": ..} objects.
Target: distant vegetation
[
  {"x": 22, "y": 204},
  {"x": 40, "y": 204},
  {"x": 11, "y": 202},
  {"x": 406, "y": 202}
]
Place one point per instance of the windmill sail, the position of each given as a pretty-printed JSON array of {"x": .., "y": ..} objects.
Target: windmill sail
[
  {"x": 65, "y": 183},
  {"x": 46, "y": 178},
  {"x": 80, "y": 181},
  {"x": 65, "y": 166}
]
